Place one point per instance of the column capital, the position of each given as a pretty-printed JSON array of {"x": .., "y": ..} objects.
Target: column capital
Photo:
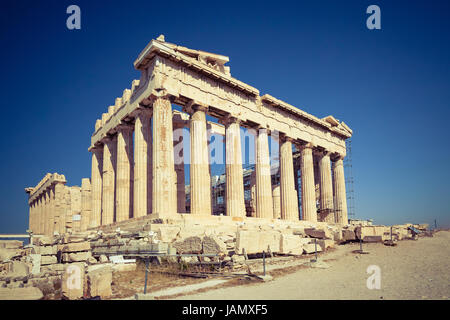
[
  {"x": 308, "y": 145},
  {"x": 125, "y": 127},
  {"x": 229, "y": 119},
  {"x": 286, "y": 138},
  {"x": 160, "y": 94},
  {"x": 144, "y": 112},
  {"x": 321, "y": 152},
  {"x": 336, "y": 157},
  {"x": 193, "y": 106}
]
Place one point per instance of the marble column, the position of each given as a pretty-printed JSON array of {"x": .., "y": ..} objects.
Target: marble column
[
  {"x": 41, "y": 214},
  {"x": 178, "y": 126},
  {"x": 340, "y": 197},
  {"x": 142, "y": 194},
  {"x": 60, "y": 208},
  {"x": 44, "y": 213},
  {"x": 164, "y": 176},
  {"x": 326, "y": 188},
  {"x": 199, "y": 170},
  {"x": 86, "y": 203},
  {"x": 234, "y": 187},
  {"x": 289, "y": 203},
  {"x": 264, "y": 199},
  {"x": 96, "y": 187},
  {"x": 30, "y": 216},
  {"x": 308, "y": 186},
  {"x": 109, "y": 173},
  {"x": 124, "y": 176},
  {"x": 51, "y": 210}
]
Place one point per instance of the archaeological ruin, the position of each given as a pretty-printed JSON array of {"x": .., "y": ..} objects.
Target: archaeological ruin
[
  {"x": 169, "y": 184},
  {"x": 136, "y": 167}
]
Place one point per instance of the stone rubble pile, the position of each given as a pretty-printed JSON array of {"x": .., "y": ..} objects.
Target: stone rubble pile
[{"x": 80, "y": 265}]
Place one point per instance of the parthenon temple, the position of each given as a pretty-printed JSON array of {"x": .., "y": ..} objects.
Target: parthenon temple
[{"x": 138, "y": 166}]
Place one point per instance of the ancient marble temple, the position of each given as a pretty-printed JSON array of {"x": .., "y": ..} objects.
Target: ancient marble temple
[{"x": 135, "y": 172}]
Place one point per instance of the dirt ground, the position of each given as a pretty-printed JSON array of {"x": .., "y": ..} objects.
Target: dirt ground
[{"x": 411, "y": 270}]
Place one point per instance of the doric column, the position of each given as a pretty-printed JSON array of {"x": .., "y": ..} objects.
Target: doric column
[
  {"x": 164, "y": 176},
  {"x": 264, "y": 200},
  {"x": 142, "y": 194},
  {"x": 45, "y": 215},
  {"x": 124, "y": 176},
  {"x": 41, "y": 214},
  {"x": 60, "y": 208},
  {"x": 289, "y": 203},
  {"x": 326, "y": 188},
  {"x": 308, "y": 187},
  {"x": 199, "y": 170},
  {"x": 109, "y": 172},
  {"x": 86, "y": 203},
  {"x": 178, "y": 127},
  {"x": 234, "y": 187},
  {"x": 51, "y": 210},
  {"x": 340, "y": 197},
  {"x": 96, "y": 187}
]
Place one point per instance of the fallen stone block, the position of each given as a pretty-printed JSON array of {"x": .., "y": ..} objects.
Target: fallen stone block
[
  {"x": 311, "y": 248},
  {"x": 255, "y": 241},
  {"x": 45, "y": 241},
  {"x": 165, "y": 233},
  {"x": 325, "y": 244},
  {"x": 238, "y": 259},
  {"x": 363, "y": 231},
  {"x": 72, "y": 284},
  {"x": 315, "y": 233},
  {"x": 373, "y": 239},
  {"x": 45, "y": 260},
  {"x": 76, "y": 247},
  {"x": 189, "y": 245},
  {"x": 99, "y": 282},
  {"x": 76, "y": 256},
  {"x": 291, "y": 244},
  {"x": 35, "y": 260},
  {"x": 214, "y": 245},
  {"x": 18, "y": 269},
  {"x": 124, "y": 267},
  {"x": 142, "y": 296},
  {"x": 45, "y": 250},
  {"x": 348, "y": 235},
  {"x": 7, "y": 254},
  {"x": 11, "y": 244},
  {"x": 27, "y": 293}
]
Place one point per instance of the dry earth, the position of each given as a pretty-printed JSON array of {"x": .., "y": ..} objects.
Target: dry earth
[{"x": 411, "y": 270}]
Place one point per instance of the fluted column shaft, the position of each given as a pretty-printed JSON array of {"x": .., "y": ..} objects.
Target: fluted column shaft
[
  {"x": 178, "y": 126},
  {"x": 340, "y": 197},
  {"x": 142, "y": 194},
  {"x": 264, "y": 199},
  {"x": 326, "y": 189},
  {"x": 289, "y": 203},
  {"x": 164, "y": 176},
  {"x": 39, "y": 215},
  {"x": 46, "y": 213},
  {"x": 30, "y": 217},
  {"x": 199, "y": 171},
  {"x": 124, "y": 177},
  {"x": 308, "y": 186},
  {"x": 96, "y": 187},
  {"x": 60, "y": 208},
  {"x": 109, "y": 172},
  {"x": 51, "y": 210},
  {"x": 233, "y": 170}
]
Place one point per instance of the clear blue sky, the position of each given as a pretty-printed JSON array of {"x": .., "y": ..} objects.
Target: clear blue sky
[{"x": 391, "y": 86}]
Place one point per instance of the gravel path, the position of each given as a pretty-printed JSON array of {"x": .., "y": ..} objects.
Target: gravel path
[{"x": 411, "y": 270}]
